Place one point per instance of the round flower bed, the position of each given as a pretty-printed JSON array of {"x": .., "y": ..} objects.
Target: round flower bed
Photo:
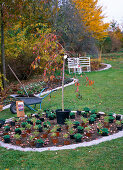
[{"x": 41, "y": 130}]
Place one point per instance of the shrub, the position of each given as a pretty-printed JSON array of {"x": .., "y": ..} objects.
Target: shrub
[
  {"x": 77, "y": 136},
  {"x": 6, "y": 137},
  {"x": 39, "y": 141},
  {"x": 86, "y": 109},
  {"x": 7, "y": 128},
  {"x": 80, "y": 128},
  {"x": 104, "y": 130}
]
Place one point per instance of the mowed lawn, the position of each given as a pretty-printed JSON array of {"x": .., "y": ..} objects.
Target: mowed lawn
[{"x": 105, "y": 95}]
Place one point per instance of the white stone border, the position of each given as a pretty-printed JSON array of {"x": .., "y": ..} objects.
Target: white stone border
[
  {"x": 69, "y": 84},
  {"x": 106, "y": 68},
  {"x": 74, "y": 81},
  {"x": 72, "y": 146}
]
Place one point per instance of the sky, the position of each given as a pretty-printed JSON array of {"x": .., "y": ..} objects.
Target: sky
[{"x": 113, "y": 9}]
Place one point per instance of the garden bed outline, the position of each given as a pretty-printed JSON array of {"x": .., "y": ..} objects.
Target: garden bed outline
[
  {"x": 71, "y": 146},
  {"x": 108, "y": 66}
]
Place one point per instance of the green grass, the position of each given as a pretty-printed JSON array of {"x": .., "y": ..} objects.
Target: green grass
[
  {"x": 108, "y": 155},
  {"x": 104, "y": 156}
]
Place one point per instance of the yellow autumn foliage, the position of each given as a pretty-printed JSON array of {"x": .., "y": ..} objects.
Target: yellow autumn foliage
[{"x": 92, "y": 17}]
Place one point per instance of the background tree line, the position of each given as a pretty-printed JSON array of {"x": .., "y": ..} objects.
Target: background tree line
[{"x": 77, "y": 24}]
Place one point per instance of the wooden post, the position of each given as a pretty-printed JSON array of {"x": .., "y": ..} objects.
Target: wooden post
[{"x": 63, "y": 85}]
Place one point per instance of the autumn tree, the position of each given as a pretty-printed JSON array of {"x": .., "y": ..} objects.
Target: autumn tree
[{"x": 91, "y": 15}]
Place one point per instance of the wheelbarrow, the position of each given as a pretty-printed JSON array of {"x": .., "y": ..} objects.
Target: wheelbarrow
[{"x": 28, "y": 100}]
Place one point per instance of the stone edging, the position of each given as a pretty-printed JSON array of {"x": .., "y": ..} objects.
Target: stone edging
[
  {"x": 72, "y": 146},
  {"x": 106, "y": 68},
  {"x": 74, "y": 81}
]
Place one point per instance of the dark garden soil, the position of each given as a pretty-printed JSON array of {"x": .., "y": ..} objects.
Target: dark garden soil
[{"x": 95, "y": 132}]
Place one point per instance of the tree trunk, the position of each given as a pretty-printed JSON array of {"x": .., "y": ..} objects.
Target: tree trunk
[
  {"x": 3, "y": 68},
  {"x": 63, "y": 85}
]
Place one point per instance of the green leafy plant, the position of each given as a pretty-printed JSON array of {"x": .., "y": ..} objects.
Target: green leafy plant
[
  {"x": 77, "y": 136},
  {"x": 33, "y": 119},
  {"x": 17, "y": 136},
  {"x": 35, "y": 127},
  {"x": 94, "y": 116},
  {"x": 80, "y": 128},
  {"x": 111, "y": 118},
  {"x": 118, "y": 122},
  {"x": 6, "y": 137},
  {"x": 38, "y": 121},
  {"x": 88, "y": 128},
  {"x": 84, "y": 120},
  {"x": 69, "y": 123},
  {"x": 35, "y": 133},
  {"x": 23, "y": 124},
  {"x": 39, "y": 141},
  {"x": 53, "y": 134},
  {"x": 31, "y": 137},
  {"x": 7, "y": 128},
  {"x": 104, "y": 131},
  {"x": 51, "y": 115},
  {"x": 91, "y": 119},
  {"x": 86, "y": 109},
  {"x": 72, "y": 114},
  {"x": 71, "y": 131},
  {"x": 106, "y": 119},
  {"x": 29, "y": 115},
  {"x": 110, "y": 114},
  {"x": 93, "y": 111},
  {"x": 76, "y": 123},
  {"x": 18, "y": 130},
  {"x": 28, "y": 126},
  {"x": 47, "y": 123},
  {"x": 65, "y": 135},
  {"x": 99, "y": 125}
]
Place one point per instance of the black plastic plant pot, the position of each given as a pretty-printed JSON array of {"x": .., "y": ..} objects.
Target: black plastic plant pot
[
  {"x": 118, "y": 117},
  {"x": 78, "y": 140},
  {"x": 78, "y": 112},
  {"x": 98, "y": 115},
  {"x": 72, "y": 117},
  {"x": 42, "y": 119},
  {"x": 91, "y": 122},
  {"x": 7, "y": 140},
  {"x": 18, "y": 132},
  {"x": 62, "y": 115},
  {"x": 37, "y": 123},
  {"x": 72, "y": 136},
  {"x": 59, "y": 129},
  {"x": 85, "y": 115},
  {"x": 39, "y": 145},
  {"x": 104, "y": 134},
  {"x": 2, "y": 122},
  {"x": 51, "y": 118},
  {"x": 40, "y": 129},
  {"x": 37, "y": 116},
  {"x": 119, "y": 127},
  {"x": 80, "y": 131},
  {"x": 0, "y": 125},
  {"x": 12, "y": 123},
  {"x": 98, "y": 129},
  {"x": 111, "y": 120}
]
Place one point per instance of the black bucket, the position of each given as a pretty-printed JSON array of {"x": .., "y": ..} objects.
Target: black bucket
[{"x": 62, "y": 115}]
